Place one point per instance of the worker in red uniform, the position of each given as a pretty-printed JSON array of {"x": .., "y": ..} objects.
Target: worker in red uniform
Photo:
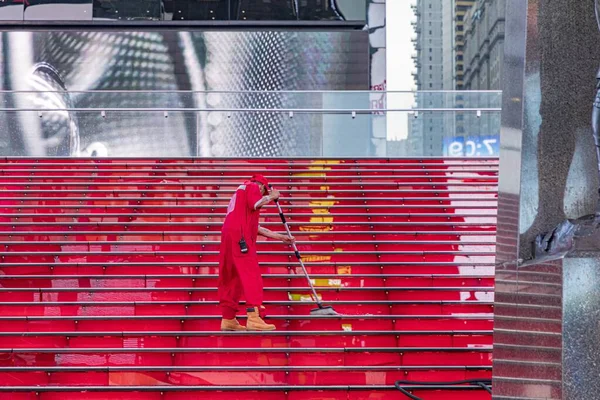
[{"x": 239, "y": 273}]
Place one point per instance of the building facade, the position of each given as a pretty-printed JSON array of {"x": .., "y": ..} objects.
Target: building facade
[
  {"x": 459, "y": 46},
  {"x": 484, "y": 57},
  {"x": 440, "y": 66},
  {"x": 427, "y": 127},
  {"x": 461, "y": 8},
  {"x": 484, "y": 45}
]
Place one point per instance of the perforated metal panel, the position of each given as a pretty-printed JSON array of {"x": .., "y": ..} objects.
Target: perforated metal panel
[
  {"x": 121, "y": 61},
  {"x": 274, "y": 61}
]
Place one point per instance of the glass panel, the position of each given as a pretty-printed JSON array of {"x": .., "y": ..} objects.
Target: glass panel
[
  {"x": 96, "y": 134},
  {"x": 138, "y": 134},
  {"x": 348, "y": 136},
  {"x": 249, "y": 124}
]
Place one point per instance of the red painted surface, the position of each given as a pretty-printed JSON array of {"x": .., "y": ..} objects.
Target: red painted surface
[{"x": 111, "y": 265}]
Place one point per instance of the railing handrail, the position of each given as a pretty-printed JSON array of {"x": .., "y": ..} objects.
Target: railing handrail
[
  {"x": 257, "y": 110},
  {"x": 258, "y": 91}
]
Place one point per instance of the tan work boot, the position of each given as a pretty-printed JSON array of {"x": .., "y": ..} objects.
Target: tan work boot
[
  {"x": 256, "y": 323},
  {"x": 231, "y": 325}
]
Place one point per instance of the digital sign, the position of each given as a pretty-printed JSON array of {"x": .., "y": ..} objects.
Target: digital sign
[
  {"x": 472, "y": 146},
  {"x": 94, "y": 70}
]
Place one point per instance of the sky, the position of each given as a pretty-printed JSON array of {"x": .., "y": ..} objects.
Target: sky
[{"x": 400, "y": 65}]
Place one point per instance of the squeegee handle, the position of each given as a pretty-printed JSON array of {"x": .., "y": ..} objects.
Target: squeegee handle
[
  {"x": 297, "y": 253},
  {"x": 287, "y": 228}
]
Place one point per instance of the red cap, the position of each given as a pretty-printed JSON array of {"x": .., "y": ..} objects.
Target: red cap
[{"x": 260, "y": 179}]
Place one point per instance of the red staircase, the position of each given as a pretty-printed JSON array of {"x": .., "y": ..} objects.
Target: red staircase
[{"x": 109, "y": 267}]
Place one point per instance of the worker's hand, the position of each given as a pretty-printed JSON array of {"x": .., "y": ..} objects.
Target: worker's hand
[
  {"x": 274, "y": 195},
  {"x": 288, "y": 239}
]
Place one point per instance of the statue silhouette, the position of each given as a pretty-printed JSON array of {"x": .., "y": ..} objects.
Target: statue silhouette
[{"x": 565, "y": 118}]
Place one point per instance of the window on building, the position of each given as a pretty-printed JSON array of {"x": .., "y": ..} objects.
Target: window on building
[
  {"x": 431, "y": 67},
  {"x": 430, "y": 85}
]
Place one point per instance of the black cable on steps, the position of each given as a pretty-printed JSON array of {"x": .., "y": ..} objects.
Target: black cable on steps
[{"x": 483, "y": 383}]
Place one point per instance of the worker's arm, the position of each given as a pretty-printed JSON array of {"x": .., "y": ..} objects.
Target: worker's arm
[
  {"x": 274, "y": 195},
  {"x": 274, "y": 235}
]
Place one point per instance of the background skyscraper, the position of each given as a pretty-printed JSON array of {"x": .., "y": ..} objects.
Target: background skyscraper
[{"x": 458, "y": 45}]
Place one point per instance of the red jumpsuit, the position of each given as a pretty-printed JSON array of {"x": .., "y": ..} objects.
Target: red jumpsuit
[{"x": 239, "y": 273}]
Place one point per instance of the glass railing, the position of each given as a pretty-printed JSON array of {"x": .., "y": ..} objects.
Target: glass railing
[{"x": 250, "y": 124}]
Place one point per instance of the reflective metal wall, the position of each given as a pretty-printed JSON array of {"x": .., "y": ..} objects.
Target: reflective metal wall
[
  {"x": 581, "y": 309},
  {"x": 546, "y": 328},
  {"x": 528, "y": 344}
]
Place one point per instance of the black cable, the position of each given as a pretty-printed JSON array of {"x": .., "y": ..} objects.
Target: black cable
[{"x": 483, "y": 383}]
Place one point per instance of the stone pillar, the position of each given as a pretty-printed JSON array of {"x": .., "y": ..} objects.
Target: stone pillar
[{"x": 546, "y": 309}]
